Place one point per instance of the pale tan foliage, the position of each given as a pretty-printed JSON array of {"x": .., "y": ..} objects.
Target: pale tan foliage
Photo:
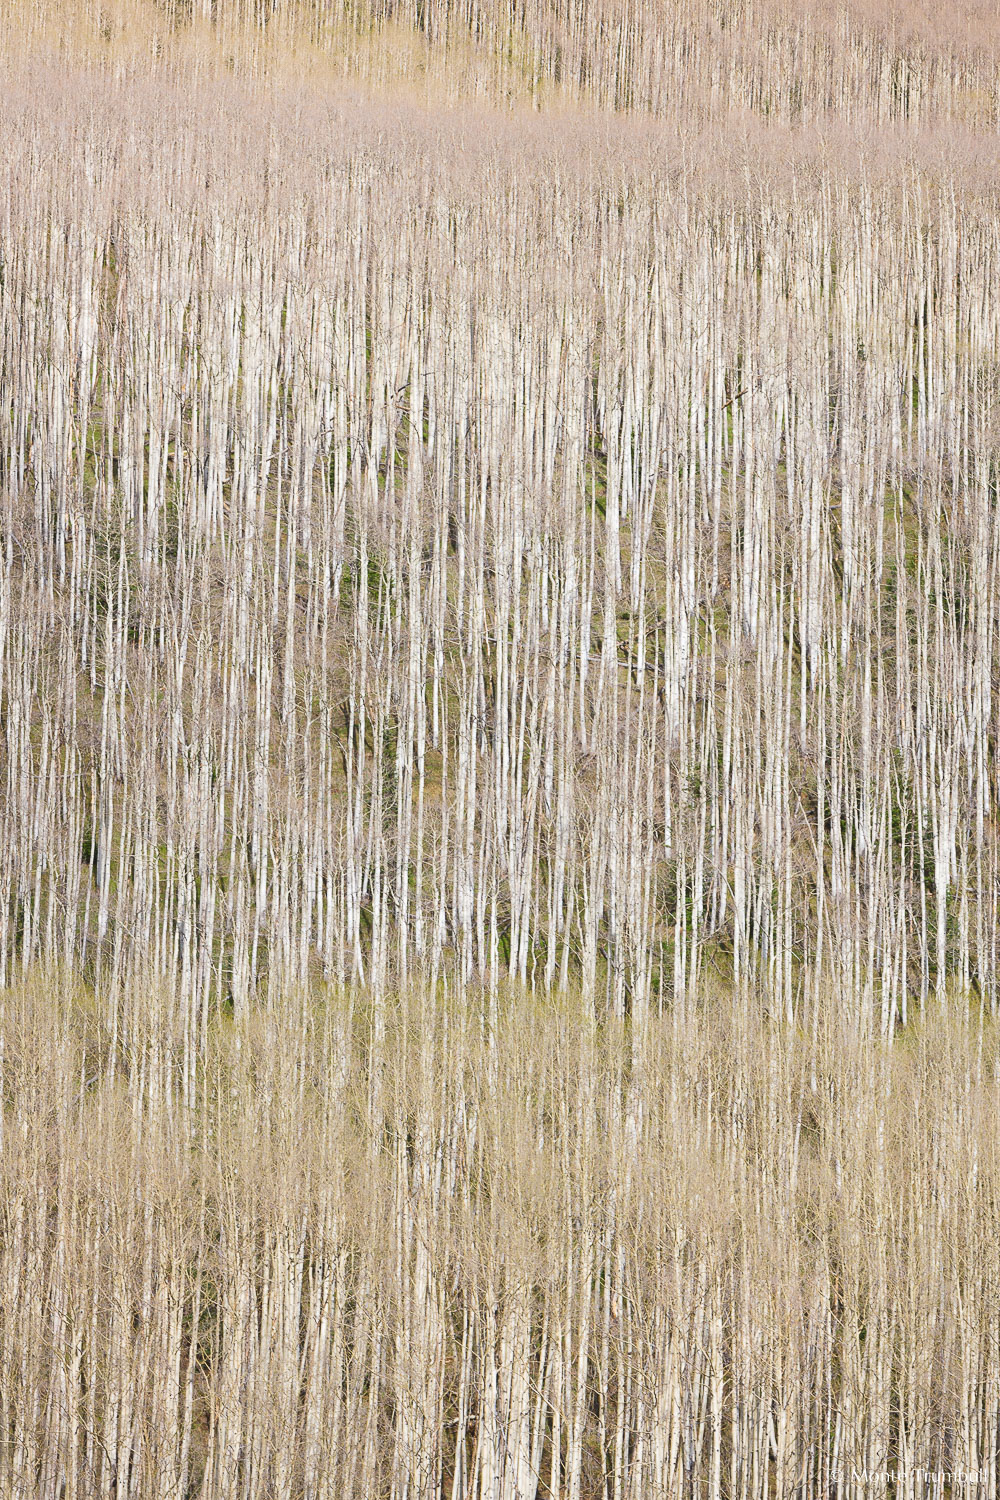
[
  {"x": 910, "y": 61},
  {"x": 398, "y": 1251}
]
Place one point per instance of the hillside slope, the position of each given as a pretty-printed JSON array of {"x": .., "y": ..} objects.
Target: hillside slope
[{"x": 499, "y": 890}]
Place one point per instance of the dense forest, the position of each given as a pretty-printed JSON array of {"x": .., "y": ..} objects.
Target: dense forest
[{"x": 499, "y": 848}]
